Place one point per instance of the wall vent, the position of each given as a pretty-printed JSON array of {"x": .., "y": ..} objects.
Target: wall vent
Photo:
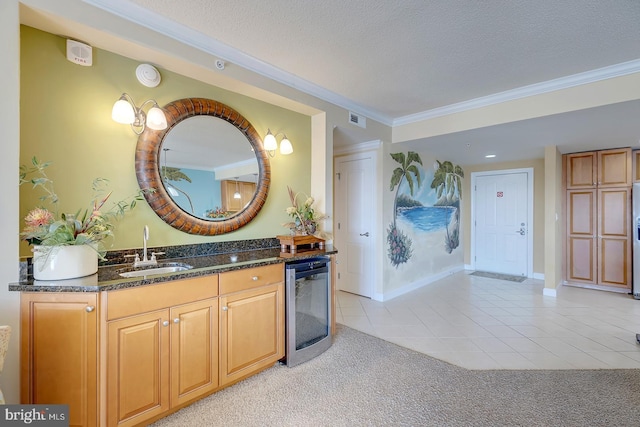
[{"x": 357, "y": 120}]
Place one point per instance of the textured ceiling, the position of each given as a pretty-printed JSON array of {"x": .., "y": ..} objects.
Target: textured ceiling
[
  {"x": 397, "y": 58},
  {"x": 400, "y": 61}
]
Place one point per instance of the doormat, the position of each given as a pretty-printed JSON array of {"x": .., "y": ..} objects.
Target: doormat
[{"x": 500, "y": 276}]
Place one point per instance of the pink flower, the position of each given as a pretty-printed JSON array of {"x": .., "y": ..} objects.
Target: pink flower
[{"x": 37, "y": 218}]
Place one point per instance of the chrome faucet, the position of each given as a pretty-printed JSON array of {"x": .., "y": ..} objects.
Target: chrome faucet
[
  {"x": 145, "y": 238},
  {"x": 145, "y": 261}
]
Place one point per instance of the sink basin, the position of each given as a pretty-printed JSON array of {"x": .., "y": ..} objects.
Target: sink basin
[{"x": 154, "y": 270}]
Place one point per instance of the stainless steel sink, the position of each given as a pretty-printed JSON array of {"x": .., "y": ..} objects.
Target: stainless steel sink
[{"x": 155, "y": 270}]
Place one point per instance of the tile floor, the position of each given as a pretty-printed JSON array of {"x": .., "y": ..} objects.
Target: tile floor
[{"x": 481, "y": 323}]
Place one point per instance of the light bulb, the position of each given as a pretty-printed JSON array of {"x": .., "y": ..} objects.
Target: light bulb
[
  {"x": 285, "y": 146},
  {"x": 270, "y": 143},
  {"x": 156, "y": 119},
  {"x": 123, "y": 112}
]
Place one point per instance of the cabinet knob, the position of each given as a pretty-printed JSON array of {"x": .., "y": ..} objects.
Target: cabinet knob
[
  {"x": 89, "y": 308},
  {"x": 254, "y": 278},
  {"x": 176, "y": 320},
  {"x": 225, "y": 308},
  {"x": 165, "y": 323}
]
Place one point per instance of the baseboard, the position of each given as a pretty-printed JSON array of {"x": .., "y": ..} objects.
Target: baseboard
[
  {"x": 548, "y": 292},
  {"x": 419, "y": 284}
]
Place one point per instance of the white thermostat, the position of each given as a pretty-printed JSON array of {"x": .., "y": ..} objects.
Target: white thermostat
[{"x": 79, "y": 53}]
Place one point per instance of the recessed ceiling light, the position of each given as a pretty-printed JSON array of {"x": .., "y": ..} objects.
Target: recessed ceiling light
[{"x": 490, "y": 156}]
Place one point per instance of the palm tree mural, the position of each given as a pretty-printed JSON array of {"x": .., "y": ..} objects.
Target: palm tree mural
[
  {"x": 447, "y": 181},
  {"x": 399, "y": 250}
]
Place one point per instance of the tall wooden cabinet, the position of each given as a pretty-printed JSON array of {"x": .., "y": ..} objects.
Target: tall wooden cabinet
[{"x": 599, "y": 234}]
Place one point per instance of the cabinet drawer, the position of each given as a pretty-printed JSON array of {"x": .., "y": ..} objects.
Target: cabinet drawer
[
  {"x": 240, "y": 280},
  {"x": 132, "y": 301}
]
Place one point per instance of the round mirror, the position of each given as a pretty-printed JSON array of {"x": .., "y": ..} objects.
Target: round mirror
[{"x": 208, "y": 168}]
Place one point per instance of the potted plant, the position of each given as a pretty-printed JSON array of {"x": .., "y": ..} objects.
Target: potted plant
[
  {"x": 305, "y": 219},
  {"x": 67, "y": 245}
]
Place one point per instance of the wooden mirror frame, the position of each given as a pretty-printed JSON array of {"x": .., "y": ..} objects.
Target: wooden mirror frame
[{"x": 148, "y": 167}]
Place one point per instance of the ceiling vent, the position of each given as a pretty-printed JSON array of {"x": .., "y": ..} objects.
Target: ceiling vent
[{"x": 358, "y": 120}]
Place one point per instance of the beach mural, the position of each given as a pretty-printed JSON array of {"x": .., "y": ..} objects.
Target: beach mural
[{"x": 420, "y": 211}]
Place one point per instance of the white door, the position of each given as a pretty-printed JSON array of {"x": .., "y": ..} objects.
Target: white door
[
  {"x": 502, "y": 230},
  {"x": 354, "y": 231}
]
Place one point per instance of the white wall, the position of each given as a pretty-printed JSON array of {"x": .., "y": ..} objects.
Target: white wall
[{"x": 10, "y": 137}]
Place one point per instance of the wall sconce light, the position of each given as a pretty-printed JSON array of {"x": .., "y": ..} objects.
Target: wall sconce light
[
  {"x": 125, "y": 111},
  {"x": 271, "y": 144}
]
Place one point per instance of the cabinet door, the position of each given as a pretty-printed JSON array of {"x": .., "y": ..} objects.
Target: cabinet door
[
  {"x": 137, "y": 368},
  {"x": 251, "y": 331},
  {"x": 60, "y": 353},
  {"x": 614, "y": 168},
  {"x": 581, "y": 170},
  {"x": 581, "y": 229},
  {"x": 614, "y": 243},
  {"x": 194, "y": 350},
  {"x": 229, "y": 203}
]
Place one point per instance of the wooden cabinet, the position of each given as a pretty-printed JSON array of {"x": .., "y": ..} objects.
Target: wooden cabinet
[
  {"x": 163, "y": 358},
  {"x": 229, "y": 188},
  {"x": 251, "y": 321},
  {"x": 636, "y": 165},
  {"x": 59, "y": 350},
  {"x": 606, "y": 168},
  {"x": 128, "y": 357},
  {"x": 599, "y": 218}
]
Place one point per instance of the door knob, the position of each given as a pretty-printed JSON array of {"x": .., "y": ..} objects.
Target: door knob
[
  {"x": 521, "y": 231},
  {"x": 365, "y": 234}
]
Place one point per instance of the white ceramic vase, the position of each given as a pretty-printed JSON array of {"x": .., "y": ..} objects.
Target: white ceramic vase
[{"x": 64, "y": 262}]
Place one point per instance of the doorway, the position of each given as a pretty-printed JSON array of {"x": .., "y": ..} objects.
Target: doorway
[
  {"x": 355, "y": 232},
  {"x": 502, "y": 221}
]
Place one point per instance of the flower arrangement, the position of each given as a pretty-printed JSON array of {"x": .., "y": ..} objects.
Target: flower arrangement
[
  {"x": 305, "y": 218},
  {"x": 49, "y": 228},
  {"x": 217, "y": 213}
]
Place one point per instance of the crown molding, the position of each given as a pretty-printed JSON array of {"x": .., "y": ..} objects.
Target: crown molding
[
  {"x": 579, "y": 79},
  {"x": 184, "y": 34},
  {"x": 156, "y": 22}
]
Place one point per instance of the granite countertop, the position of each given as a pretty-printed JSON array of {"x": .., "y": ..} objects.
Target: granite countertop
[{"x": 107, "y": 278}]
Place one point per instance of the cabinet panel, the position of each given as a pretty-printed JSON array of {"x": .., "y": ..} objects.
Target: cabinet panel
[
  {"x": 249, "y": 278},
  {"x": 581, "y": 259},
  {"x": 127, "y": 302},
  {"x": 60, "y": 353},
  {"x": 251, "y": 331},
  {"x": 194, "y": 350},
  {"x": 614, "y": 254},
  {"x": 581, "y": 208},
  {"x": 138, "y": 368},
  {"x": 614, "y": 269},
  {"x": 614, "y": 212},
  {"x": 581, "y": 170},
  {"x": 229, "y": 188},
  {"x": 581, "y": 228},
  {"x": 614, "y": 167}
]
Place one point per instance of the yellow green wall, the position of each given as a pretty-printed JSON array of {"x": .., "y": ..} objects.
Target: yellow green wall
[
  {"x": 65, "y": 116},
  {"x": 538, "y": 206}
]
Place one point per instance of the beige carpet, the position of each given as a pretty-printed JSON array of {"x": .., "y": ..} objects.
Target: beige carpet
[{"x": 364, "y": 381}]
